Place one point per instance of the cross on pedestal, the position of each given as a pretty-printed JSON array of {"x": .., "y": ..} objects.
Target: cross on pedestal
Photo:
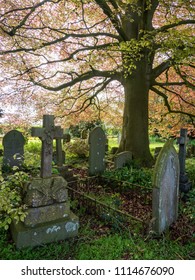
[
  {"x": 47, "y": 133},
  {"x": 184, "y": 183}
]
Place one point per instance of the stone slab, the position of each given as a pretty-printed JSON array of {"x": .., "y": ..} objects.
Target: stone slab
[
  {"x": 47, "y": 213},
  {"x": 45, "y": 233}
]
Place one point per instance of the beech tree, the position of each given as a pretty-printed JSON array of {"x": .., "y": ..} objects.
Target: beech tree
[{"x": 66, "y": 51}]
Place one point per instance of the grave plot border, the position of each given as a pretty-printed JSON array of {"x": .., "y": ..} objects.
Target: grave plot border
[{"x": 95, "y": 207}]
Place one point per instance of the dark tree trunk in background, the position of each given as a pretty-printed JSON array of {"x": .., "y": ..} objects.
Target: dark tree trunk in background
[{"x": 135, "y": 136}]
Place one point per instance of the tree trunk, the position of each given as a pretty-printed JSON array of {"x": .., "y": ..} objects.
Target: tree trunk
[{"x": 135, "y": 136}]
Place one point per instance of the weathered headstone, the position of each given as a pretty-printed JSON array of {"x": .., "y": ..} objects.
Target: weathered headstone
[
  {"x": 122, "y": 158},
  {"x": 156, "y": 152},
  {"x": 106, "y": 145},
  {"x": 13, "y": 143},
  {"x": 97, "y": 143},
  {"x": 165, "y": 188},
  {"x": 184, "y": 184},
  {"x": 59, "y": 157},
  {"x": 47, "y": 134},
  {"x": 49, "y": 217},
  {"x": 59, "y": 154}
]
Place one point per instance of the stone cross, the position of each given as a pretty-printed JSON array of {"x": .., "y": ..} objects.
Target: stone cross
[
  {"x": 184, "y": 185},
  {"x": 59, "y": 152},
  {"x": 47, "y": 134}
]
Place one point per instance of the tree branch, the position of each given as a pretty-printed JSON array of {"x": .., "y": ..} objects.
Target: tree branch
[
  {"x": 166, "y": 102},
  {"x": 83, "y": 77},
  {"x": 89, "y": 101},
  {"x": 157, "y": 71},
  {"x": 115, "y": 21},
  {"x": 169, "y": 26},
  {"x": 12, "y": 32}
]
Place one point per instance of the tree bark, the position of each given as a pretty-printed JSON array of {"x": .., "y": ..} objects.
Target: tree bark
[{"x": 135, "y": 136}]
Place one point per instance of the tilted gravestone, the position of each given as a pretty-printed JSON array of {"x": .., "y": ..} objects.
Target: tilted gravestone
[
  {"x": 13, "y": 143},
  {"x": 156, "y": 152},
  {"x": 165, "y": 188},
  {"x": 48, "y": 214},
  {"x": 184, "y": 183},
  {"x": 122, "y": 158},
  {"x": 97, "y": 146}
]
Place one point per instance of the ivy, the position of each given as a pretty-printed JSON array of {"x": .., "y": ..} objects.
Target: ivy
[{"x": 11, "y": 206}]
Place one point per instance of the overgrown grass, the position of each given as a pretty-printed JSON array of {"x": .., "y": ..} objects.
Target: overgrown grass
[
  {"x": 98, "y": 243},
  {"x": 96, "y": 240}
]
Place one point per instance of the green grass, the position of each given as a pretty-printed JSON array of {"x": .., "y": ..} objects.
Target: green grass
[
  {"x": 96, "y": 240},
  {"x": 90, "y": 244}
]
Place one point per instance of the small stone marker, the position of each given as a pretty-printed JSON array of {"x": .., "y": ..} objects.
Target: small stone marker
[
  {"x": 122, "y": 158},
  {"x": 13, "y": 143},
  {"x": 47, "y": 134},
  {"x": 166, "y": 188},
  {"x": 184, "y": 183},
  {"x": 97, "y": 144}
]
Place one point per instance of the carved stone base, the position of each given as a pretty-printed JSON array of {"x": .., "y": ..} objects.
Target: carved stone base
[
  {"x": 61, "y": 229},
  {"x": 44, "y": 214}
]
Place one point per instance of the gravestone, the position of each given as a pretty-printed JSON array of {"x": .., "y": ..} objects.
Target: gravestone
[
  {"x": 97, "y": 144},
  {"x": 165, "y": 188},
  {"x": 122, "y": 158},
  {"x": 156, "y": 152},
  {"x": 47, "y": 134},
  {"x": 184, "y": 184},
  {"x": 59, "y": 154},
  {"x": 49, "y": 217},
  {"x": 13, "y": 143},
  {"x": 106, "y": 145}
]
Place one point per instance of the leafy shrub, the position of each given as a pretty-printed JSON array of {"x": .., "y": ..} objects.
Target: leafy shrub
[
  {"x": 11, "y": 207},
  {"x": 133, "y": 175},
  {"x": 190, "y": 168},
  {"x": 78, "y": 148}
]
